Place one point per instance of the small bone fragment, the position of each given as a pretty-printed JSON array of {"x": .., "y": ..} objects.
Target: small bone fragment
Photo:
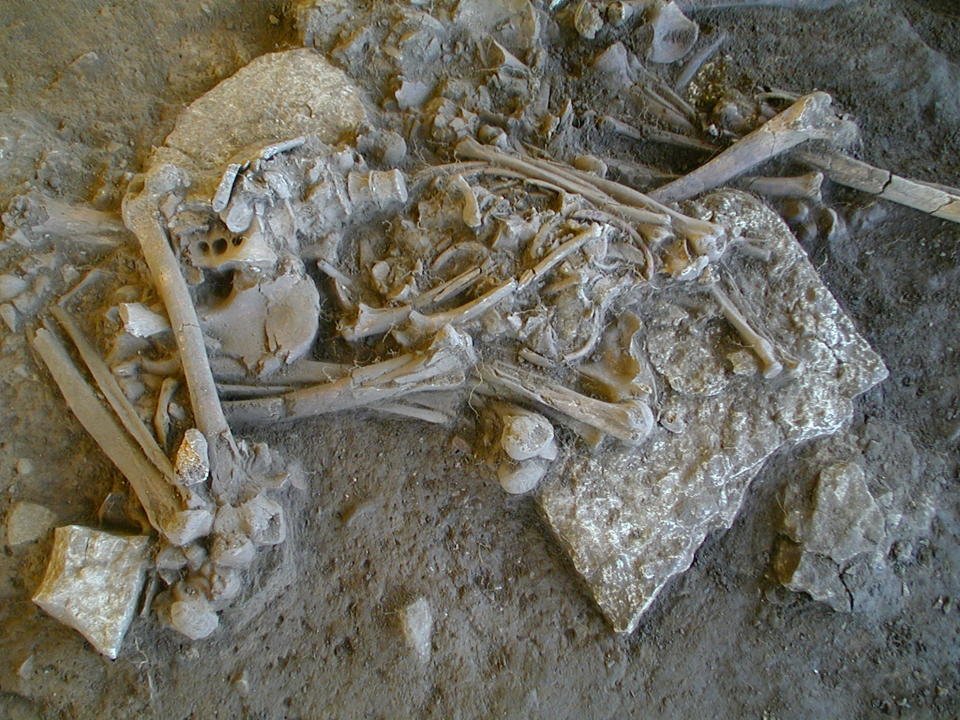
[
  {"x": 801, "y": 186},
  {"x": 587, "y": 20},
  {"x": 161, "y": 415},
  {"x": 92, "y": 583},
  {"x": 27, "y": 521},
  {"x": 157, "y": 496},
  {"x": 192, "y": 464},
  {"x": 263, "y": 520},
  {"x": 810, "y": 118},
  {"x": 590, "y": 164},
  {"x": 526, "y": 434},
  {"x": 628, "y": 421},
  {"x": 193, "y": 617},
  {"x": 770, "y": 366},
  {"x": 471, "y": 211},
  {"x": 11, "y": 286},
  {"x": 674, "y": 34},
  {"x": 938, "y": 200},
  {"x": 378, "y": 187},
  {"x": 139, "y": 321},
  {"x": 417, "y": 623},
  {"x": 519, "y": 478}
]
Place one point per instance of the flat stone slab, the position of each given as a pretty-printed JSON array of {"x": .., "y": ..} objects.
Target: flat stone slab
[
  {"x": 92, "y": 583},
  {"x": 632, "y": 518}
]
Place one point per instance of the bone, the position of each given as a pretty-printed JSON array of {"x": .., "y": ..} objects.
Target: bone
[
  {"x": 161, "y": 416},
  {"x": 810, "y": 118},
  {"x": 674, "y": 34},
  {"x": 114, "y": 395},
  {"x": 801, "y": 186},
  {"x": 157, "y": 496},
  {"x": 471, "y": 211},
  {"x": 440, "y": 367},
  {"x": 770, "y": 366},
  {"x": 630, "y": 422},
  {"x": 141, "y": 215},
  {"x": 526, "y": 434},
  {"x": 697, "y": 61},
  {"x": 460, "y": 316},
  {"x": 376, "y": 321},
  {"x": 557, "y": 256},
  {"x": 648, "y": 132},
  {"x": 665, "y": 112},
  {"x": 941, "y": 201}
]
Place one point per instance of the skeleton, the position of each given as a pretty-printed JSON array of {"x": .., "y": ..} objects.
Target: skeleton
[{"x": 509, "y": 280}]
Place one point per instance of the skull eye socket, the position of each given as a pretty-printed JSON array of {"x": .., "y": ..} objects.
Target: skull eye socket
[
  {"x": 204, "y": 247},
  {"x": 220, "y": 246},
  {"x": 237, "y": 241}
]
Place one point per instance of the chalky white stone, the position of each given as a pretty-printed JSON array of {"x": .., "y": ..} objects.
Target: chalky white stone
[
  {"x": 632, "y": 518},
  {"x": 93, "y": 582}
]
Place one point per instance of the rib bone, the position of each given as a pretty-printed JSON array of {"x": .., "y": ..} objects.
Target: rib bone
[{"x": 810, "y": 118}]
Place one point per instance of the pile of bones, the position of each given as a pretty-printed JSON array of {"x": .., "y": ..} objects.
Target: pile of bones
[{"x": 445, "y": 245}]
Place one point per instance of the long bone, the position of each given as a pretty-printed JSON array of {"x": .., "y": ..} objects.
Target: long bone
[
  {"x": 141, "y": 214},
  {"x": 439, "y": 367},
  {"x": 800, "y": 186},
  {"x": 630, "y": 422},
  {"x": 769, "y": 365},
  {"x": 938, "y": 200},
  {"x": 165, "y": 510},
  {"x": 665, "y": 137},
  {"x": 810, "y": 118}
]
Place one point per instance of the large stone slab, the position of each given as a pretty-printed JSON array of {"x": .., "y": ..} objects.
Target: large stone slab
[{"x": 632, "y": 518}]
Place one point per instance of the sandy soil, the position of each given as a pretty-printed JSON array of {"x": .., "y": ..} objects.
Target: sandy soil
[{"x": 394, "y": 512}]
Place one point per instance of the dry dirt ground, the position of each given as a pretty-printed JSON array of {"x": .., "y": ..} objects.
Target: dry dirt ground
[{"x": 393, "y": 512}]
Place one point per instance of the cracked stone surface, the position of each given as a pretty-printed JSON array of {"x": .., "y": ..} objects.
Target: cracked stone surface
[
  {"x": 631, "y": 519},
  {"x": 93, "y": 582}
]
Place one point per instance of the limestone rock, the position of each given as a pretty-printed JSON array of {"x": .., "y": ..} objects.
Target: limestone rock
[
  {"x": 631, "y": 519},
  {"x": 92, "y": 583},
  {"x": 27, "y": 521},
  {"x": 417, "y": 620},
  {"x": 276, "y": 97},
  {"x": 844, "y": 519}
]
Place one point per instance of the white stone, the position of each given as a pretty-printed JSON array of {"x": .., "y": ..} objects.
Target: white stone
[
  {"x": 27, "y": 521},
  {"x": 93, "y": 582},
  {"x": 417, "y": 619},
  {"x": 192, "y": 464},
  {"x": 142, "y": 322}
]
